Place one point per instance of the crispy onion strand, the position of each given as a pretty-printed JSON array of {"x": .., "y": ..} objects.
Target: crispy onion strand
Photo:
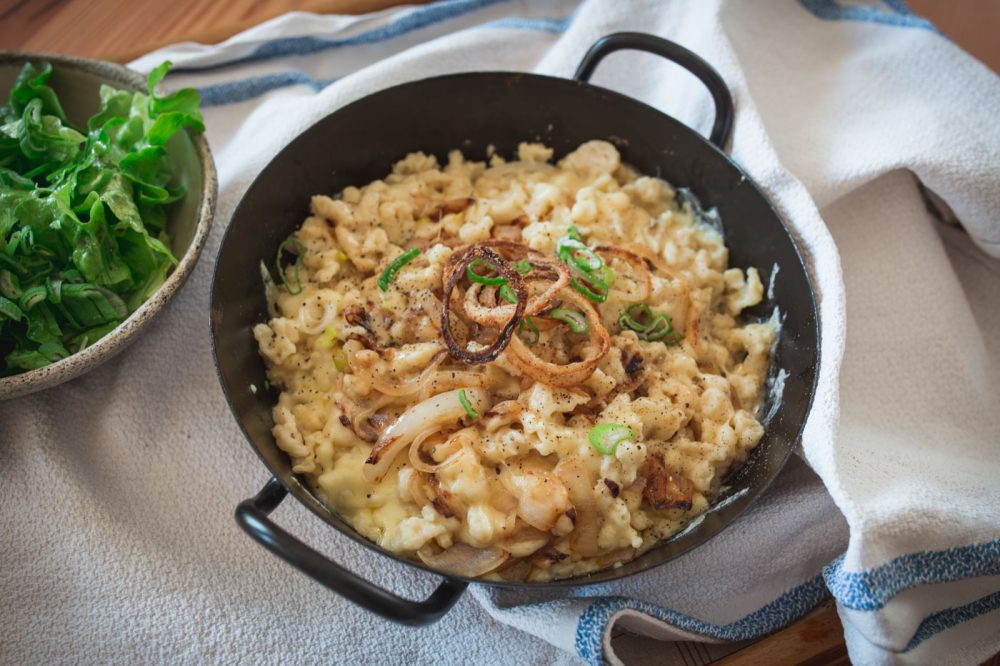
[
  {"x": 494, "y": 315},
  {"x": 641, "y": 265},
  {"x": 439, "y": 411},
  {"x": 527, "y": 363},
  {"x": 453, "y": 273}
]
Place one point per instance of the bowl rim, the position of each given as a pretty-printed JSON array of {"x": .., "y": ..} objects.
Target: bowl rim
[
  {"x": 695, "y": 536},
  {"x": 126, "y": 332}
]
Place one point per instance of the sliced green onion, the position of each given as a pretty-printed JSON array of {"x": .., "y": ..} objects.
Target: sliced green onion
[
  {"x": 634, "y": 316},
  {"x": 586, "y": 260},
  {"x": 267, "y": 385},
  {"x": 507, "y": 294},
  {"x": 570, "y": 247},
  {"x": 522, "y": 267},
  {"x": 598, "y": 296},
  {"x": 483, "y": 279},
  {"x": 593, "y": 277},
  {"x": 389, "y": 274},
  {"x": 606, "y": 437},
  {"x": 572, "y": 318},
  {"x": 577, "y": 254},
  {"x": 565, "y": 244},
  {"x": 647, "y": 326},
  {"x": 595, "y": 284},
  {"x": 660, "y": 329},
  {"x": 530, "y": 336},
  {"x": 298, "y": 262},
  {"x": 467, "y": 406}
]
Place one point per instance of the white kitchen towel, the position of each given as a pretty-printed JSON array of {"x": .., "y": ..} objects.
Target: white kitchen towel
[{"x": 118, "y": 488}]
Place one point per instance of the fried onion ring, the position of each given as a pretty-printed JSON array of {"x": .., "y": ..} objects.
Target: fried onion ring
[
  {"x": 495, "y": 315},
  {"x": 642, "y": 265},
  {"x": 543, "y": 268},
  {"x": 516, "y": 248},
  {"x": 454, "y": 271},
  {"x": 527, "y": 363}
]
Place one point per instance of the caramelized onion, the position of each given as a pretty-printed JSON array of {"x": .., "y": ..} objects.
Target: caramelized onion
[
  {"x": 525, "y": 540},
  {"x": 691, "y": 320},
  {"x": 441, "y": 410},
  {"x": 522, "y": 358},
  {"x": 502, "y": 414},
  {"x": 418, "y": 462},
  {"x": 576, "y": 477},
  {"x": 426, "y": 490},
  {"x": 641, "y": 265},
  {"x": 514, "y": 249},
  {"x": 543, "y": 269},
  {"x": 360, "y": 423},
  {"x": 663, "y": 489},
  {"x": 514, "y": 569},
  {"x": 495, "y": 314},
  {"x": 453, "y": 272},
  {"x": 445, "y": 380},
  {"x": 692, "y": 334},
  {"x": 463, "y": 560},
  {"x": 410, "y": 387},
  {"x": 634, "y": 377},
  {"x": 502, "y": 500},
  {"x": 356, "y": 315}
]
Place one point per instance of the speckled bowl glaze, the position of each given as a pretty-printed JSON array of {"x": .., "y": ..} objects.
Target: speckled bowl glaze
[{"x": 77, "y": 81}]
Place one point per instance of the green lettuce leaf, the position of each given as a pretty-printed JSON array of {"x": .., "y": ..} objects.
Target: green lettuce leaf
[{"x": 82, "y": 213}]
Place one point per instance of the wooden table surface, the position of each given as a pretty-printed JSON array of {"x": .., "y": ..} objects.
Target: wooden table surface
[{"x": 121, "y": 30}]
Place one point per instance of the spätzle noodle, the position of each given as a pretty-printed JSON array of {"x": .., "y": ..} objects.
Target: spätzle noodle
[{"x": 554, "y": 437}]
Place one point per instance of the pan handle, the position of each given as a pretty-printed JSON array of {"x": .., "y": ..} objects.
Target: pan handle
[
  {"x": 252, "y": 515},
  {"x": 637, "y": 41}
]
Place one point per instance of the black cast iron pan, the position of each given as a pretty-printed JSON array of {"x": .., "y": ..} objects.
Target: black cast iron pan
[{"x": 361, "y": 141}]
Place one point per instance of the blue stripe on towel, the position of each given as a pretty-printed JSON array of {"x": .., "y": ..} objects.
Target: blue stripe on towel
[
  {"x": 899, "y": 14},
  {"x": 871, "y": 589},
  {"x": 418, "y": 18},
  {"x": 244, "y": 89},
  {"x": 555, "y": 26},
  {"x": 787, "y": 608},
  {"x": 241, "y": 90},
  {"x": 951, "y": 617}
]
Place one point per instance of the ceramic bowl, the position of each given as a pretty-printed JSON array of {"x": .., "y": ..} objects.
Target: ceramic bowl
[{"x": 77, "y": 82}]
